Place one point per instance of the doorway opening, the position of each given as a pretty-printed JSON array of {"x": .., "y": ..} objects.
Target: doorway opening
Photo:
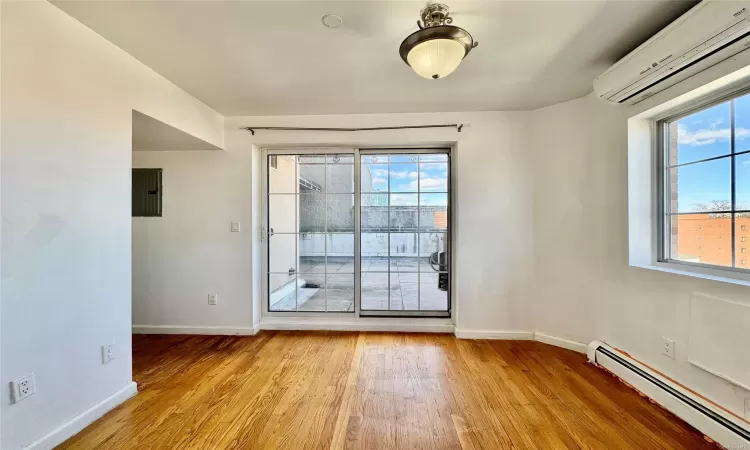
[{"x": 361, "y": 231}]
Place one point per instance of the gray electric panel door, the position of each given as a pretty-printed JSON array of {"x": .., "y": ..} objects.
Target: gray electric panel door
[{"x": 146, "y": 192}]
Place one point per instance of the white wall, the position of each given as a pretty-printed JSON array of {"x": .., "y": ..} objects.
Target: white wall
[
  {"x": 65, "y": 185},
  {"x": 584, "y": 288},
  {"x": 494, "y": 198},
  {"x": 190, "y": 251}
]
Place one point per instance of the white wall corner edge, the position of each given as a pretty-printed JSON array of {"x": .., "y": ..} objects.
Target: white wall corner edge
[
  {"x": 198, "y": 330},
  {"x": 560, "y": 342},
  {"x": 703, "y": 423},
  {"x": 81, "y": 421}
]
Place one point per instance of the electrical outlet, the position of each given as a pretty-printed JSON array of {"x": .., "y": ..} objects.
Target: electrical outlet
[
  {"x": 235, "y": 227},
  {"x": 22, "y": 387},
  {"x": 667, "y": 347},
  {"x": 213, "y": 299},
  {"x": 108, "y": 352}
]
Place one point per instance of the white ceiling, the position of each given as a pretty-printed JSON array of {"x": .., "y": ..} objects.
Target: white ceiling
[
  {"x": 276, "y": 58},
  {"x": 150, "y": 134}
]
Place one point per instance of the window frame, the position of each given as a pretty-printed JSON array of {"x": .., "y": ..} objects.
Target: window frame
[{"x": 663, "y": 194}]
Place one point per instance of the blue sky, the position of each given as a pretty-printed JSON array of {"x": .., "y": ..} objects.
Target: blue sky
[
  {"x": 431, "y": 172},
  {"x": 707, "y": 134}
]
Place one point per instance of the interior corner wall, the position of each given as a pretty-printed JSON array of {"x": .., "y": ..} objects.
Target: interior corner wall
[
  {"x": 67, "y": 102},
  {"x": 584, "y": 288},
  {"x": 189, "y": 252}
]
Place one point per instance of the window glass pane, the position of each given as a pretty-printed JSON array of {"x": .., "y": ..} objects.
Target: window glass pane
[
  {"x": 704, "y": 186},
  {"x": 433, "y": 294},
  {"x": 312, "y": 253},
  {"x": 374, "y": 212},
  {"x": 433, "y": 177},
  {"x": 742, "y": 123},
  {"x": 403, "y": 252},
  {"x": 396, "y": 159},
  {"x": 312, "y": 292},
  {"x": 702, "y": 238},
  {"x": 404, "y": 291},
  {"x": 312, "y": 213},
  {"x": 282, "y": 253},
  {"x": 374, "y": 289},
  {"x": 340, "y": 253},
  {"x": 742, "y": 240},
  {"x": 341, "y": 212},
  {"x": 340, "y": 292},
  {"x": 403, "y": 212},
  {"x": 312, "y": 174},
  {"x": 283, "y": 292},
  {"x": 340, "y": 174},
  {"x": 282, "y": 213},
  {"x": 433, "y": 252},
  {"x": 433, "y": 157},
  {"x": 283, "y": 179},
  {"x": 374, "y": 249},
  {"x": 742, "y": 181},
  {"x": 374, "y": 175},
  {"x": 701, "y": 135},
  {"x": 433, "y": 212},
  {"x": 404, "y": 175}
]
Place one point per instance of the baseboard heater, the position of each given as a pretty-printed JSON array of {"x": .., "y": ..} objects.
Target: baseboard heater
[{"x": 715, "y": 423}]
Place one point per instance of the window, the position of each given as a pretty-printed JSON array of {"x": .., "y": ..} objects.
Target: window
[
  {"x": 147, "y": 198},
  {"x": 273, "y": 161},
  {"x": 706, "y": 184}
]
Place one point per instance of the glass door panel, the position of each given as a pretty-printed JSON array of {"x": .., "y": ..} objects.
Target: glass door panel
[
  {"x": 310, "y": 232},
  {"x": 404, "y": 230}
]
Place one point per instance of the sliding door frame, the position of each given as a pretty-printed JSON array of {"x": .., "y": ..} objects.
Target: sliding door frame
[{"x": 357, "y": 151}]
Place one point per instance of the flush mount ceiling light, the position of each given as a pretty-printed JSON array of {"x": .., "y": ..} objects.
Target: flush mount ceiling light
[{"x": 437, "y": 48}]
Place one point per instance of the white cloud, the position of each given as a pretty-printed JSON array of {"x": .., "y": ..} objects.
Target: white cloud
[
  {"x": 379, "y": 173},
  {"x": 377, "y": 180},
  {"x": 428, "y": 184},
  {"x": 400, "y": 175},
  {"x": 708, "y": 136}
]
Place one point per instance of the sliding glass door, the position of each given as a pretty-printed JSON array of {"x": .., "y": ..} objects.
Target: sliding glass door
[{"x": 361, "y": 231}]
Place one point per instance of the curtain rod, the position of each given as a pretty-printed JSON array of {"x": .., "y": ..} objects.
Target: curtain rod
[{"x": 457, "y": 126}]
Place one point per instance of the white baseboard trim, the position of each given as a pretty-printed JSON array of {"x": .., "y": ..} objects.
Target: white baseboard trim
[
  {"x": 362, "y": 324},
  {"x": 517, "y": 335},
  {"x": 668, "y": 401},
  {"x": 187, "y": 329},
  {"x": 81, "y": 421},
  {"x": 560, "y": 342}
]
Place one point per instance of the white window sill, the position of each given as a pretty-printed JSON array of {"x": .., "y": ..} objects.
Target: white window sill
[{"x": 705, "y": 273}]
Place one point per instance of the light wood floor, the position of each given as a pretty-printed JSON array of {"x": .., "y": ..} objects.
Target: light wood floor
[{"x": 300, "y": 390}]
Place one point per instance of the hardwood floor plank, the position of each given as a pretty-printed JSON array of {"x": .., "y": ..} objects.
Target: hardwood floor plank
[{"x": 347, "y": 390}]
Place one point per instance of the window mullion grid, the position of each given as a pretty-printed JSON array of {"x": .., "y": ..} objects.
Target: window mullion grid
[
  {"x": 667, "y": 192},
  {"x": 325, "y": 233},
  {"x": 419, "y": 202},
  {"x": 733, "y": 193},
  {"x": 297, "y": 198},
  {"x": 388, "y": 232}
]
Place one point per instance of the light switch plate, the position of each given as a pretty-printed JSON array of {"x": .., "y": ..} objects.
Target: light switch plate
[{"x": 235, "y": 227}]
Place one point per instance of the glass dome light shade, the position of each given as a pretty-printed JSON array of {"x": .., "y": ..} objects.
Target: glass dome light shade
[{"x": 436, "y": 58}]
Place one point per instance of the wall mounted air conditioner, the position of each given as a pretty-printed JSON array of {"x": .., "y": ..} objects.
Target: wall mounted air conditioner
[{"x": 710, "y": 32}]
